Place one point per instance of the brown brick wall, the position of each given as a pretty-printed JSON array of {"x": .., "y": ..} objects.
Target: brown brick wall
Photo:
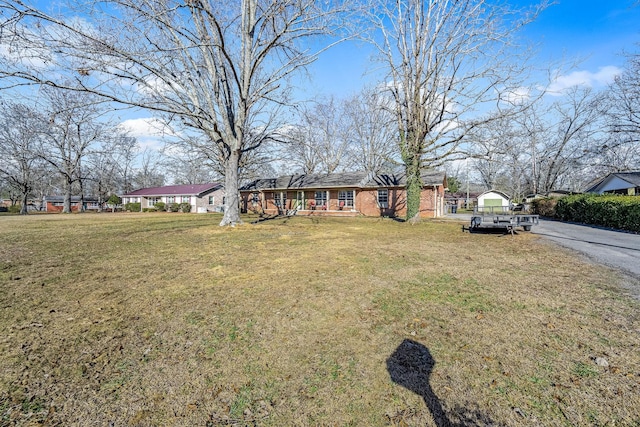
[{"x": 366, "y": 203}]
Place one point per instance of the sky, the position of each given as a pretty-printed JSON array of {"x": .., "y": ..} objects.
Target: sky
[
  {"x": 594, "y": 32},
  {"x": 590, "y": 34}
]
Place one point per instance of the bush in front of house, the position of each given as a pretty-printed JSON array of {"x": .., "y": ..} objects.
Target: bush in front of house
[
  {"x": 544, "y": 207},
  {"x": 185, "y": 207},
  {"x": 615, "y": 211},
  {"x": 132, "y": 207},
  {"x": 172, "y": 207},
  {"x": 14, "y": 209},
  {"x": 159, "y": 206}
]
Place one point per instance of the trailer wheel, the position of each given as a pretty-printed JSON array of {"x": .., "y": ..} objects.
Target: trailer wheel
[{"x": 526, "y": 227}]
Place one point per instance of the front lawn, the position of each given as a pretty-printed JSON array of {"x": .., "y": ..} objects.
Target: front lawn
[{"x": 167, "y": 319}]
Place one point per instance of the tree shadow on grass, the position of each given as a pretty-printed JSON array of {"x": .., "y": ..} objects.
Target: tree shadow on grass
[{"x": 410, "y": 366}]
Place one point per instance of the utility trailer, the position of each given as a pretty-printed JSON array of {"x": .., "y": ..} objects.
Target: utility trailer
[{"x": 501, "y": 218}]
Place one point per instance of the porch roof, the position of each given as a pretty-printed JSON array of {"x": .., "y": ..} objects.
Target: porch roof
[{"x": 340, "y": 180}]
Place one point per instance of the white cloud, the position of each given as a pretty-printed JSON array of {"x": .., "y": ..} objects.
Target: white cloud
[
  {"x": 603, "y": 76},
  {"x": 150, "y": 132},
  {"x": 147, "y": 127},
  {"x": 38, "y": 59},
  {"x": 517, "y": 95}
]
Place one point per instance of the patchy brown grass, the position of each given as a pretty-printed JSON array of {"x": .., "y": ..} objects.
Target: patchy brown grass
[{"x": 167, "y": 319}]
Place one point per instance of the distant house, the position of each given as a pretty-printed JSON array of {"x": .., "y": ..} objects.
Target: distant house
[
  {"x": 617, "y": 183},
  {"x": 201, "y": 197},
  {"x": 342, "y": 194},
  {"x": 56, "y": 203},
  {"x": 493, "y": 201}
]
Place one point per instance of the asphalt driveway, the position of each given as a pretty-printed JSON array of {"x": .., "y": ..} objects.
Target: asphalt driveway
[{"x": 616, "y": 249}]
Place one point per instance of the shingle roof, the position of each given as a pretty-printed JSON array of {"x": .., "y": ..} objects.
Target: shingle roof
[
  {"x": 175, "y": 190},
  {"x": 632, "y": 178},
  {"x": 339, "y": 180}
]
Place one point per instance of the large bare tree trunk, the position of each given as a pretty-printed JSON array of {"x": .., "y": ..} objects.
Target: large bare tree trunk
[{"x": 232, "y": 201}]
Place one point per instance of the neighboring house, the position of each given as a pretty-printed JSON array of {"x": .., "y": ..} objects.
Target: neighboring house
[
  {"x": 342, "y": 194},
  {"x": 617, "y": 183},
  {"x": 201, "y": 197},
  {"x": 493, "y": 201},
  {"x": 56, "y": 203}
]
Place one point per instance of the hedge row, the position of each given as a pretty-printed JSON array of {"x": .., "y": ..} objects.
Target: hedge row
[
  {"x": 159, "y": 206},
  {"x": 621, "y": 212}
]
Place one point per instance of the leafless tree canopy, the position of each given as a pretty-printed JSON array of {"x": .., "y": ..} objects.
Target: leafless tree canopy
[
  {"x": 217, "y": 67},
  {"x": 21, "y": 167},
  {"x": 446, "y": 61}
]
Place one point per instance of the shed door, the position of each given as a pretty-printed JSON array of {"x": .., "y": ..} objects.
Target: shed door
[{"x": 492, "y": 202}]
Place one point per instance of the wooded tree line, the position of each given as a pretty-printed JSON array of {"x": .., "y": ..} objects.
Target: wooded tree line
[{"x": 454, "y": 84}]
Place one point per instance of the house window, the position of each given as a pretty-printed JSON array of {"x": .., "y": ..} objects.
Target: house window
[
  {"x": 171, "y": 199},
  {"x": 345, "y": 199},
  {"x": 186, "y": 199},
  {"x": 280, "y": 199},
  {"x": 58, "y": 204},
  {"x": 212, "y": 200},
  {"x": 321, "y": 198},
  {"x": 383, "y": 198},
  {"x": 152, "y": 201}
]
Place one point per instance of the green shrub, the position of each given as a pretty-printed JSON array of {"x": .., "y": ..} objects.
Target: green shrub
[
  {"x": 114, "y": 200},
  {"x": 132, "y": 207},
  {"x": 151, "y": 209},
  {"x": 185, "y": 207},
  {"x": 173, "y": 207},
  {"x": 159, "y": 206},
  {"x": 14, "y": 209},
  {"x": 622, "y": 212}
]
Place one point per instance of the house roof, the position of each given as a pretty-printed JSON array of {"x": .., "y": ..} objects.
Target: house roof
[
  {"x": 175, "y": 190},
  {"x": 339, "y": 180},
  {"x": 632, "y": 178},
  {"x": 500, "y": 193}
]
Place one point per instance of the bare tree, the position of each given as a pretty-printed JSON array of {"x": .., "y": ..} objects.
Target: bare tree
[
  {"x": 621, "y": 150},
  {"x": 372, "y": 144},
  {"x": 21, "y": 167},
  {"x": 190, "y": 167},
  {"x": 320, "y": 142},
  {"x": 571, "y": 129},
  {"x": 150, "y": 172},
  {"x": 217, "y": 67},
  {"x": 74, "y": 126},
  {"x": 106, "y": 163},
  {"x": 446, "y": 60}
]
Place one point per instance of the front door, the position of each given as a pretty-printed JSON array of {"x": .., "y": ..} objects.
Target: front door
[{"x": 299, "y": 200}]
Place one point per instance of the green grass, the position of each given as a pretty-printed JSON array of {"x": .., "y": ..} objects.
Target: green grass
[{"x": 167, "y": 319}]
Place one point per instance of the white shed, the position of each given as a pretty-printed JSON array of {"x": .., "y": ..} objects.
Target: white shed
[{"x": 493, "y": 201}]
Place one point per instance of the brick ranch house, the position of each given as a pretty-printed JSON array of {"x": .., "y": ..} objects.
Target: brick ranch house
[
  {"x": 201, "y": 197},
  {"x": 56, "y": 203},
  {"x": 342, "y": 194}
]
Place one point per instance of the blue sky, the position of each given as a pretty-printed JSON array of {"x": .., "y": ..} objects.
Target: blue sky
[{"x": 595, "y": 32}]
